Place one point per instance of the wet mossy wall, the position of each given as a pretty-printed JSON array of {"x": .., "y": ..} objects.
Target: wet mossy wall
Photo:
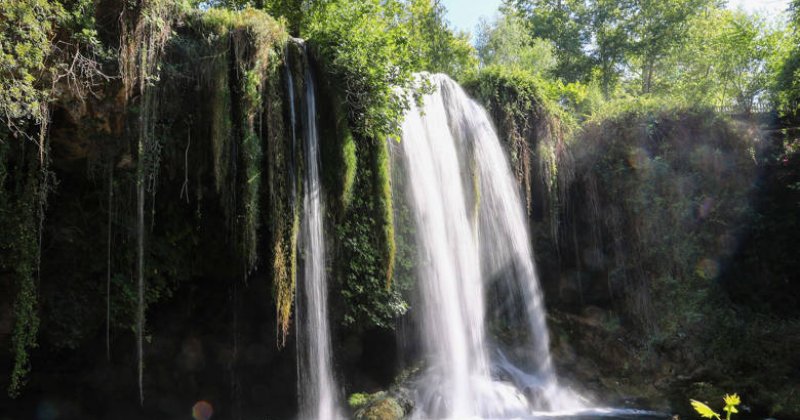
[
  {"x": 221, "y": 221},
  {"x": 357, "y": 179},
  {"x": 204, "y": 132},
  {"x": 660, "y": 202}
]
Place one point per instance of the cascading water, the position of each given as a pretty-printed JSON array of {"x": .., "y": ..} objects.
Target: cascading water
[
  {"x": 450, "y": 282},
  {"x": 456, "y": 167},
  {"x": 317, "y": 386}
]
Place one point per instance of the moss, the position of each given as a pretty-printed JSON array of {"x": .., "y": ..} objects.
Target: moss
[
  {"x": 250, "y": 43},
  {"x": 259, "y": 26},
  {"x": 284, "y": 272},
  {"x": 380, "y": 407},
  {"x": 386, "y": 210},
  {"x": 283, "y": 206},
  {"x": 338, "y": 157},
  {"x": 667, "y": 189},
  {"x": 349, "y": 160},
  {"x": 361, "y": 238},
  {"x": 220, "y": 123}
]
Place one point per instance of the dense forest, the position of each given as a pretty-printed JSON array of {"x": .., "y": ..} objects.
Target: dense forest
[{"x": 331, "y": 209}]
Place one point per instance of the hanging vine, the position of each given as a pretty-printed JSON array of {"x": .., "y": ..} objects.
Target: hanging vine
[
  {"x": 24, "y": 178},
  {"x": 146, "y": 29}
]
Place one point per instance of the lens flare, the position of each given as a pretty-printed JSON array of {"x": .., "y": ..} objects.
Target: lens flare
[{"x": 202, "y": 410}]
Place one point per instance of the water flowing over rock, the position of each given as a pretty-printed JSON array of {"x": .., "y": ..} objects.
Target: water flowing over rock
[
  {"x": 317, "y": 389},
  {"x": 473, "y": 237}
]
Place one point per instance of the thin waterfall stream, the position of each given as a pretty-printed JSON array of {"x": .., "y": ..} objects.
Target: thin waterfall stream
[{"x": 317, "y": 387}]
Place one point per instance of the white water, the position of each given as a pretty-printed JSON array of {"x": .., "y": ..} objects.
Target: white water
[
  {"x": 317, "y": 387},
  {"x": 447, "y": 146}
]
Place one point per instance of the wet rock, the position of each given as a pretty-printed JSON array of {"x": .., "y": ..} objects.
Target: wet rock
[{"x": 381, "y": 407}]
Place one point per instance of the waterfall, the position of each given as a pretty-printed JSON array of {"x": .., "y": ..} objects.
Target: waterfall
[
  {"x": 317, "y": 389},
  {"x": 472, "y": 235}
]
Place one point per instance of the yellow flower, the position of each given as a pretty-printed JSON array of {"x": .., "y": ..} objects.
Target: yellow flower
[
  {"x": 732, "y": 399},
  {"x": 704, "y": 410}
]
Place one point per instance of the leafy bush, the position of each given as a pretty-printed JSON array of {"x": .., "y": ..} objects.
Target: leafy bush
[
  {"x": 361, "y": 46},
  {"x": 358, "y": 400},
  {"x": 26, "y": 27}
]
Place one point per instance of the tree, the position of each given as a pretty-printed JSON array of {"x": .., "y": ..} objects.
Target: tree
[
  {"x": 656, "y": 27},
  {"x": 786, "y": 88},
  {"x": 564, "y": 23},
  {"x": 508, "y": 42},
  {"x": 728, "y": 59},
  {"x": 609, "y": 24},
  {"x": 436, "y": 47}
]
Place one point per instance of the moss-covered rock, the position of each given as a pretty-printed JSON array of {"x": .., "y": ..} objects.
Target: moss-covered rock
[{"x": 380, "y": 406}]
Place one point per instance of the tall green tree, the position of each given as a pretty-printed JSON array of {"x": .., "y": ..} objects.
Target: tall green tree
[
  {"x": 435, "y": 46},
  {"x": 786, "y": 88},
  {"x": 609, "y": 22},
  {"x": 656, "y": 28},
  {"x": 728, "y": 60},
  {"x": 508, "y": 42},
  {"x": 564, "y": 23}
]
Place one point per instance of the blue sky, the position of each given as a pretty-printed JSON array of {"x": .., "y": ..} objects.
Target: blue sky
[{"x": 464, "y": 14}]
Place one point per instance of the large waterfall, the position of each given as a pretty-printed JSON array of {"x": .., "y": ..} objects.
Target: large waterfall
[
  {"x": 317, "y": 386},
  {"x": 473, "y": 237}
]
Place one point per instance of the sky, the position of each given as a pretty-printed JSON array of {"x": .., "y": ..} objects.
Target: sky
[{"x": 465, "y": 14}]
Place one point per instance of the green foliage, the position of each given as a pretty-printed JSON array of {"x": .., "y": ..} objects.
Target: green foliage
[
  {"x": 372, "y": 48},
  {"x": 642, "y": 107},
  {"x": 339, "y": 161},
  {"x": 257, "y": 41},
  {"x": 358, "y": 400},
  {"x": 671, "y": 181},
  {"x": 360, "y": 45},
  {"x": 22, "y": 192},
  {"x": 691, "y": 48},
  {"x": 434, "y": 46},
  {"x": 519, "y": 91},
  {"x": 284, "y": 273},
  {"x": 350, "y": 162},
  {"x": 657, "y": 27},
  {"x": 562, "y": 22},
  {"x": 362, "y": 237},
  {"x": 582, "y": 99},
  {"x": 727, "y": 60},
  {"x": 386, "y": 210},
  {"x": 508, "y": 42},
  {"x": 786, "y": 89},
  {"x": 26, "y": 27}
]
